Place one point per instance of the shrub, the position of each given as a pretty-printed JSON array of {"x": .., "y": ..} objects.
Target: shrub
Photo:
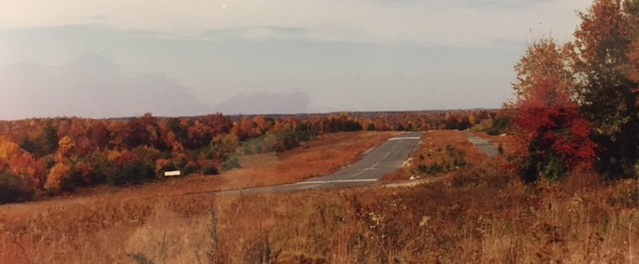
[
  {"x": 210, "y": 170},
  {"x": 75, "y": 177},
  {"x": 162, "y": 165},
  {"x": 499, "y": 126},
  {"x": 422, "y": 168},
  {"x": 459, "y": 163},
  {"x": 286, "y": 140},
  {"x": 554, "y": 137},
  {"x": 131, "y": 172},
  {"x": 435, "y": 168},
  {"x": 190, "y": 168},
  {"x": 232, "y": 163},
  {"x": 14, "y": 189},
  {"x": 304, "y": 135}
]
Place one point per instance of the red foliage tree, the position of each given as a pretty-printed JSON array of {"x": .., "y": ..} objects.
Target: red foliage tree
[{"x": 554, "y": 137}]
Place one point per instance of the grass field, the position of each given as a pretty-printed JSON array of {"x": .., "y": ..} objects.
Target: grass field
[
  {"x": 438, "y": 147},
  {"x": 478, "y": 214}
]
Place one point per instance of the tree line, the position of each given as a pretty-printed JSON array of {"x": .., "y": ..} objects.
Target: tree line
[{"x": 48, "y": 156}]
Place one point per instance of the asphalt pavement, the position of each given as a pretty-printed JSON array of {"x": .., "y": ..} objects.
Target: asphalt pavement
[
  {"x": 482, "y": 144},
  {"x": 377, "y": 162}
]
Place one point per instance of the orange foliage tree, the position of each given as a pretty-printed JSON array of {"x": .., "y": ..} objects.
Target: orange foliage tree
[{"x": 57, "y": 177}]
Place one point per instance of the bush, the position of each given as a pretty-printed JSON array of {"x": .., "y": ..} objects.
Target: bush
[
  {"x": 304, "y": 135},
  {"x": 210, "y": 170},
  {"x": 554, "y": 137},
  {"x": 163, "y": 165},
  {"x": 459, "y": 163},
  {"x": 132, "y": 172},
  {"x": 190, "y": 168},
  {"x": 500, "y": 126},
  {"x": 286, "y": 140},
  {"x": 232, "y": 163},
  {"x": 14, "y": 189},
  {"x": 422, "y": 168},
  {"x": 73, "y": 179}
]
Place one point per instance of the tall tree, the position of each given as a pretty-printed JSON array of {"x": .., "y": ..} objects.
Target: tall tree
[
  {"x": 606, "y": 94},
  {"x": 544, "y": 59}
]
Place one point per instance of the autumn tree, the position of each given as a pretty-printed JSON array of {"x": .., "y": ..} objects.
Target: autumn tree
[
  {"x": 98, "y": 135},
  {"x": 178, "y": 129},
  {"x": 66, "y": 147},
  {"x": 245, "y": 129},
  {"x": 57, "y": 177},
  {"x": 263, "y": 123},
  {"x": 218, "y": 123},
  {"x": 50, "y": 138},
  {"x": 42, "y": 141},
  {"x": 553, "y": 137},
  {"x": 150, "y": 123},
  {"x": 606, "y": 90},
  {"x": 137, "y": 133},
  {"x": 78, "y": 134},
  {"x": 544, "y": 58},
  {"x": 20, "y": 163}
]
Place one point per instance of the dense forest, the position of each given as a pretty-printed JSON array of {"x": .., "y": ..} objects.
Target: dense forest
[{"x": 49, "y": 156}]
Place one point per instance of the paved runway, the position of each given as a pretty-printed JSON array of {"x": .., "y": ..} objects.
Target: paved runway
[
  {"x": 482, "y": 144},
  {"x": 379, "y": 161}
]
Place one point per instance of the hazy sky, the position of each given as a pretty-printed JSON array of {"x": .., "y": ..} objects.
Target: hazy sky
[{"x": 110, "y": 58}]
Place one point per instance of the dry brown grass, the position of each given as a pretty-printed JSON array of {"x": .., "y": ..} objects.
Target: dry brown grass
[{"x": 477, "y": 215}]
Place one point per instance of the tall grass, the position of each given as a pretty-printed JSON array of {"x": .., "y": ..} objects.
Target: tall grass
[{"x": 480, "y": 215}]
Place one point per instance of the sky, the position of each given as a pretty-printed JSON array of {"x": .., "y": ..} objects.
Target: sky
[{"x": 115, "y": 58}]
